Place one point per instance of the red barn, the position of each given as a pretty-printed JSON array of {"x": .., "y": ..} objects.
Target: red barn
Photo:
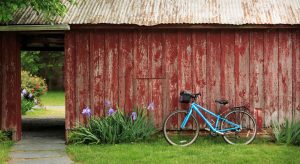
[{"x": 132, "y": 52}]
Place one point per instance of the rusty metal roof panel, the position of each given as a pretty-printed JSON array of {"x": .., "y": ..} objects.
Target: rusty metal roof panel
[{"x": 154, "y": 12}]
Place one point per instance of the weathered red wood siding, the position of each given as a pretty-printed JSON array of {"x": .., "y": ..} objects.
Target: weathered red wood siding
[
  {"x": 10, "y": 83},
  {"x": 296, "y": 73},
  {"x": 256, "y": 68},
  {"x": 1, "y": 75}
]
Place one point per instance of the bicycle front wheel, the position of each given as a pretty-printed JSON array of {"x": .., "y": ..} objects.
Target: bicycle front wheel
[
  {"x": 180, "y": 136},
  {"x": 245, "y": 134}
]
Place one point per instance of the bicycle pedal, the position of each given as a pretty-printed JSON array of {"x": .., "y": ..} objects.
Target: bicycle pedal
[{"x": 207, "y": 129}]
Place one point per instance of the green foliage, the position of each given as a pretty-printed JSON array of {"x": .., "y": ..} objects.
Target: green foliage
[
  {"x": 5, "y": 147},
  {"x": 48, "y": 65},
  {"x": 117, "y": 128},
  {"x": 288, "y": 134},
  {"x": 3, "y": 136},
  {"x": 30, "y": 61},
  {"x": 33, "y": 84},
  {"x": 48, "y": 8},
  {"x": 26, "y": 105}
]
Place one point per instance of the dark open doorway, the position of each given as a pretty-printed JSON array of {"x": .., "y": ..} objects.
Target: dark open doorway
[{"x": 45, "y": 119}]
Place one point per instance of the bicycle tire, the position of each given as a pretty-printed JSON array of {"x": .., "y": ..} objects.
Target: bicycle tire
[
  {"x": 248, "y": 124},
  {"x": 173, "y": 132}
]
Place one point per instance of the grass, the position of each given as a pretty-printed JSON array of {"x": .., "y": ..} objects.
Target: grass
[
  {"x": 205, "y": 150},
  {"x": 53, "y": 98},
  {"x": 45, "y": 113},
  {"x": 4, "y": 150}
]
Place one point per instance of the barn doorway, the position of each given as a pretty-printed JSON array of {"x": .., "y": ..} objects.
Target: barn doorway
[{"x": 42, "y": 62}]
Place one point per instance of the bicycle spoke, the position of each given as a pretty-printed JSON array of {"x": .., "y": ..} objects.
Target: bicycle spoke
[
  {"x": 245, "y": 134},
  {"x": 180, "y": 136}
]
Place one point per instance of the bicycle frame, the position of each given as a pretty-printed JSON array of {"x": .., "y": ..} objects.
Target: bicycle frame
[{"x": 215, "y": 129}]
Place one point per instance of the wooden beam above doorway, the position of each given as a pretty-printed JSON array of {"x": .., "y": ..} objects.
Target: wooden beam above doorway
[{"x": 59, "y": 27}]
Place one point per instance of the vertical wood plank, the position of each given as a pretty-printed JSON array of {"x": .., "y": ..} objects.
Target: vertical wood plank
[
  {"x": 111, "y": 65},
  {"x": 155, "y": 55},
  {"x": 170, "y": 50},
  {"x": 97, "y": 62},
  {"x": 11, "y": 114},
  {"x": 184, "y": 63},
  {"x": 271, "y": 76},
  {"x": 82, "y": 73},
  {"x": 199, "y": 68},
  {"x": 213, "y": 68},
  {"x": 242, "y": 68},
  {"x": 185, "y": 60},
  {"x": 155, "y": 66},
  {"x": 227, "y": 67},
  {"x": 17, "y": 85},
  {"x": 1, "y": 79},
  {"x": 256, "y": 75},
  {"x": 4, "y": 80},
  {"x": 296, "y": 74},
  {"x": 142, "y": 93},
  {"x": 285, "y": 76},
  {"x": 70, "y": 82},
  {"x": 126, "y": 70},
  {"x": 122, "y": 69},
  {"x": 141, "y": 55},
  {"x": 156, "y": 90}
]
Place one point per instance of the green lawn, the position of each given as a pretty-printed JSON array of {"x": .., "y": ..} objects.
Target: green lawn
[
  {"x": 205, "y": 150},
  {"x": 47, "y": 112},
  {"x": 53, "y": 102},
  {"x": 53, "y": 98},
  {"x": 4, "y": 150}
]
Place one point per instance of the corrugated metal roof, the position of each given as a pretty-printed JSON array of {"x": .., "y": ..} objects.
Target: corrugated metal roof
[{"x": 154, "y": 12}]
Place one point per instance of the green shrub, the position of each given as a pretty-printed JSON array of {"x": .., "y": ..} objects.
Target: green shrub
[
  {"x": 26, "y": 105},
  {"x": 33, "y": 84},
  {"x": 289, "y": 133},
  {"x": 3, "y": 136},
  {"x": 116, "y": 128}
]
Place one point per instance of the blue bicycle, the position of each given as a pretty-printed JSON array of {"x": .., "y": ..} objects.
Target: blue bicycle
[{"x": 181, "y": 127}]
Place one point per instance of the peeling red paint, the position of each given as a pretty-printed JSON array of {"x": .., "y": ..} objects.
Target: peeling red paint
[
  {"x": 10, "y": 106},
  {"x": 256, "y": 68},
  {"x": 258, "y": 114},
  {"x": 239, "y": 65}
]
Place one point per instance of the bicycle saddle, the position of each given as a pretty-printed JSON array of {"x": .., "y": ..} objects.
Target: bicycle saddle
[{"x": 221, "y": 101}]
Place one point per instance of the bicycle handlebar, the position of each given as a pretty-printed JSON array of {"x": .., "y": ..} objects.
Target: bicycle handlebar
[{"x": 196, "y": 95}]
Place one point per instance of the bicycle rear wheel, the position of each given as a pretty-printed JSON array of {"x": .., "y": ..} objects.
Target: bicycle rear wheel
[
  {"x": 180, "y": 136},
  {"x": 246, "y": 134}
]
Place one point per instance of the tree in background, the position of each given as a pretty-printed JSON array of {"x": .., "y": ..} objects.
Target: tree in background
[
  {"x": 48, "y": 8},
  {"x": 48, "y": 65}
]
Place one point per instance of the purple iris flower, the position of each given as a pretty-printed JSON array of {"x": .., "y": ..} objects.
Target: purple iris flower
[
  {"x": 86, "y": 112},
  {"x": 107, "y": 103},
  {"x": 24, "y": 92},
  {"x": 111, "y": 111},
  {"x": 151, "y": 106},
  {"x": 133, "y": 116}
]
